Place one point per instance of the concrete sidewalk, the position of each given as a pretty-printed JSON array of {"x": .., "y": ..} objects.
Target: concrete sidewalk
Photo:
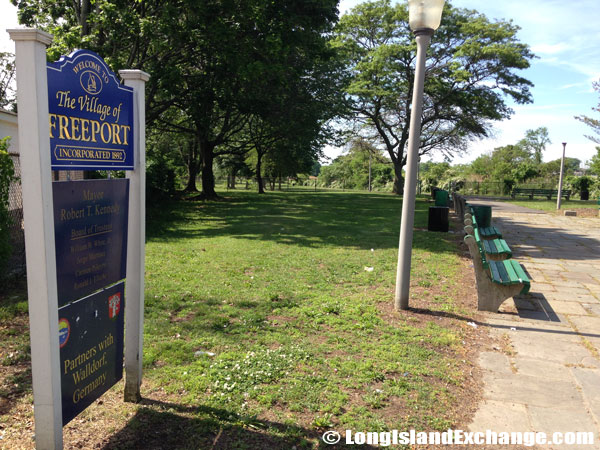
[{"x": 545, "y": 376}]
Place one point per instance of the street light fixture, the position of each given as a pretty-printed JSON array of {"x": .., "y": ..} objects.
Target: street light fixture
[{"x": 424, "y": 17}]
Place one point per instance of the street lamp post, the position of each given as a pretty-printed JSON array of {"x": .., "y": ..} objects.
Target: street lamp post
[
  {"x": 560, "y": 178},
  {"x": 424, "y": 18}
]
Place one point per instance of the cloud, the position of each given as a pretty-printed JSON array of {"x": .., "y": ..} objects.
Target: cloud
[
  {"x": 573, "y": 85},
  {"x": 551, "y": 49}
]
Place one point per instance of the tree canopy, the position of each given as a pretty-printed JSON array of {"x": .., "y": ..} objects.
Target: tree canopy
[
  {"x": 214, "y": 64},
  {"x": 592, "y": 122},
  {"x": 7, "y": 73},
  {"x": 472, "y": 68}
]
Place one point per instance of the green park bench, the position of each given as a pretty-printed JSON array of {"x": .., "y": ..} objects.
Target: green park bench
[
  {"x": 493, "y": 249},
  {"x": 485, "y": 232},
  {"x": 548, "y": 193},
  {"x": 496, "y": 280}
]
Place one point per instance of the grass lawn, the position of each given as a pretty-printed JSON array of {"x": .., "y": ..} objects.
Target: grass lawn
[
  {"x": 269, "y": 319},
  {"x": 550, "y": 205}
]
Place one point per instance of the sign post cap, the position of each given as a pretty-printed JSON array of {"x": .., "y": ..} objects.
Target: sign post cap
[
  {"x": 134, "y": 74},
  {"x": 30, "y": 34}
]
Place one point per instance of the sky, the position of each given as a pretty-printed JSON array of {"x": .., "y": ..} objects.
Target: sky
[
  {"x": 566, "y": 39},
  {"x": 563, "y": 35}
]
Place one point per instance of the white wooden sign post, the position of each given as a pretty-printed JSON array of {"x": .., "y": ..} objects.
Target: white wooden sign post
[
  {"x": 38, "y": 216},
  {"x": 134, "y": 301},
  {"x": 38, "y": 213}
]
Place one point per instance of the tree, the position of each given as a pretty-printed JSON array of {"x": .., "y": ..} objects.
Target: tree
[
  {"x": 351, "y": 170},
  {"x": 535, "y": 142},
  {"x": 7, "y": 77},
  {"x": 472, "y": 68},
  {"x": 595, "y": 163},
  {"x": 213, "y": 63},
  {"x": 594, "y": 124},
  {"x": 552, "y": 168},
  {"x": 433, "y": 172}
]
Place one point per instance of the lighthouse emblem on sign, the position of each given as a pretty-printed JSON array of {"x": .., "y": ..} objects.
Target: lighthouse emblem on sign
[{"x": 114, "y": 305}]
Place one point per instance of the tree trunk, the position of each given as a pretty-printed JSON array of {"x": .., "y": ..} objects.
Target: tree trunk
[
  {"x": 398, "y": 180},
  {"x": 208, "y": 177},
  {"x": 85, "y": 10},
  {"x": 193, "y": 166},
  {"x": 192, "y": 174},
  {"x": 259, "y": 180}
]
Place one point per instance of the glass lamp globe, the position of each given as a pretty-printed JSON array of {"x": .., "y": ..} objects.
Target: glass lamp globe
[{"x": 425, "y": 14}]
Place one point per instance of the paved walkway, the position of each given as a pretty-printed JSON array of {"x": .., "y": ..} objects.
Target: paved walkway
[{"x": 545, "y": 374}]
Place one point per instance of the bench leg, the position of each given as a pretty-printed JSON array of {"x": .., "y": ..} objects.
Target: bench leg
[
  {"x": 469, "y": 230},
  {"x": 490, "y": 295}
]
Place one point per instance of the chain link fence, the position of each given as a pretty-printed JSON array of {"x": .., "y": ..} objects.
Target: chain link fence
[{"x": 16, "y": 262}]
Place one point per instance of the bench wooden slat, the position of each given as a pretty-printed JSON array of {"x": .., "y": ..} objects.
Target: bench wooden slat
[
  {"x": 490, "y": 232},
  {"x": 522, "y": 276},
  {"x": 496, "y": 247},
  {"x": 490, "y": 246},
  {"x": 504, "y": 248},
  {"x": 513, "y": 278},
  {"x": 494, "y": 272}
]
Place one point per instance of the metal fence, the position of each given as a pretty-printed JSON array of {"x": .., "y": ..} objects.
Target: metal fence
[{"x": 16, "y": 262}]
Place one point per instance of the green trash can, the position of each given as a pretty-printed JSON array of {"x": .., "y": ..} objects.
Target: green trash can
[
  {"x": 483, "y": 214},
  {"x": 441, "y": 198}
]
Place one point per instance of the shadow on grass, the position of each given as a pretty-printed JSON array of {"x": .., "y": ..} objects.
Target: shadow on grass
[
  {"x": 15, "y": 365},
  {"x": 445, "y": 314},
  {"x": 15, "y": 385},
  {"x": 359, "y": 220},
  {"x": 158, "y": 425}
]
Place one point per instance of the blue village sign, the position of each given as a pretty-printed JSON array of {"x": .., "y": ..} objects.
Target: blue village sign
[
  {"x": 90, "y": 229},
  {"x": 90, "y": 333},
  {"x": 91, "y": 115}
]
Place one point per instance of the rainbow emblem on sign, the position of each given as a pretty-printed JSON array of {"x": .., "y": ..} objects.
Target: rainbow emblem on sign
[{"x": 64, "y": 331}]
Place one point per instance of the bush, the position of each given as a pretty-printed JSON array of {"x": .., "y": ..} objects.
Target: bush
[
  {"x": 160, "y": 179},
  {"x": 581, "y": 185},
  {"x": 595, "y": 189},
  {"x": 508, "y": 185}
]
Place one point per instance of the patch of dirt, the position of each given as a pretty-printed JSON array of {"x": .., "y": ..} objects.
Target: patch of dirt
[
  {"x": 470, "y": 326},
  {"x": 583, "y": 212},
  {"x": 176, "y": 319}
]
